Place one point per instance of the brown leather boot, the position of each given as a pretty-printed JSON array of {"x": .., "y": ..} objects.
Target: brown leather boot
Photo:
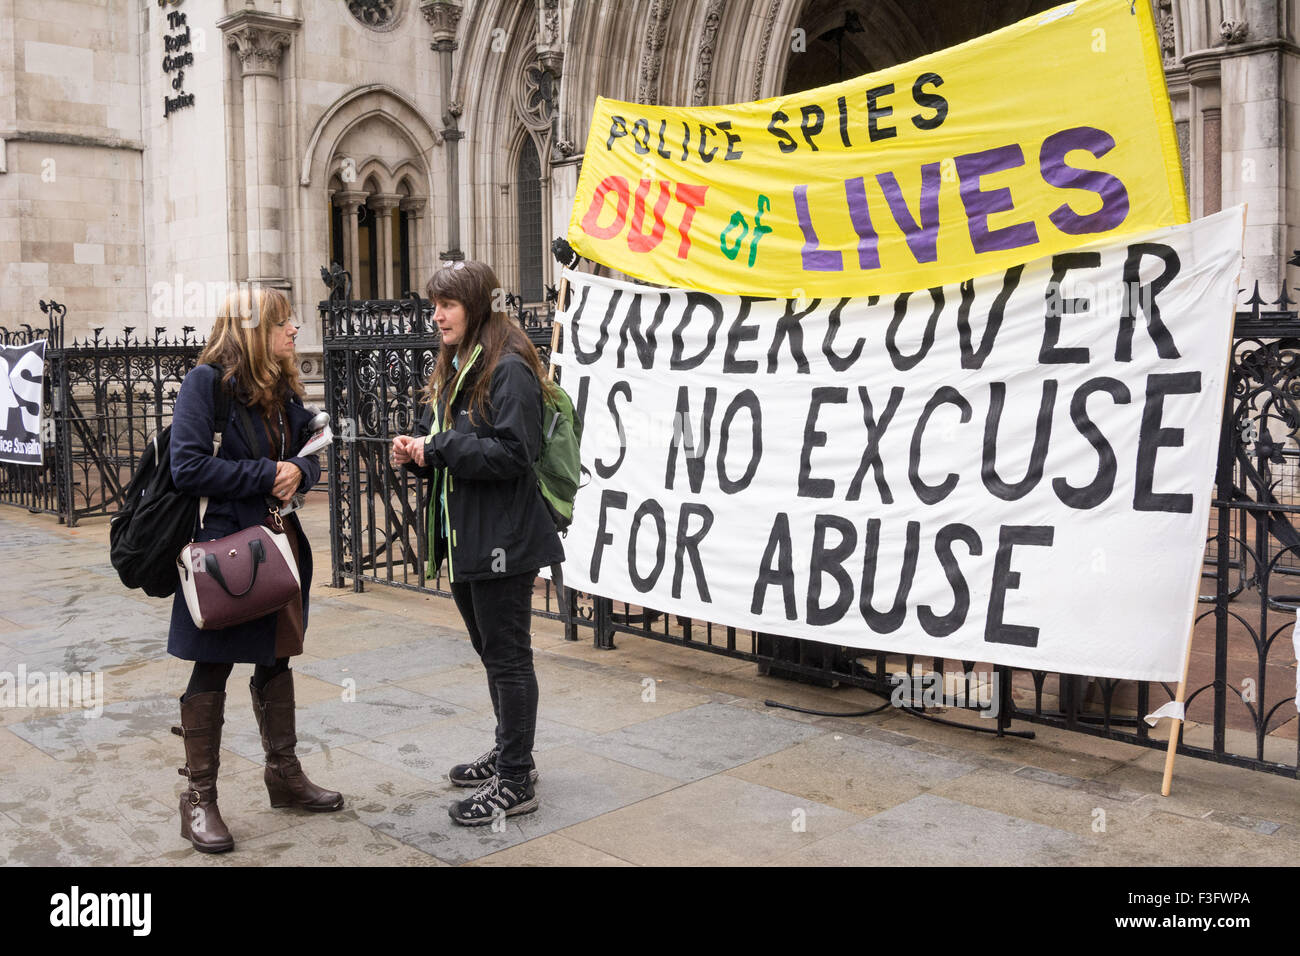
[
  {"x": 201, "y": 718},
  {"x": 285, "y": 781}
]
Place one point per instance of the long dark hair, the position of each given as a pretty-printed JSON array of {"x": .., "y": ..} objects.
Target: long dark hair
[{"x": 474, "y": 285}]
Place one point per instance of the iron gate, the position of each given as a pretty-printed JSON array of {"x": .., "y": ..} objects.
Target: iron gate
[
  {"x": 103, "y": 399},
  {"x": 378, "y": 355}
]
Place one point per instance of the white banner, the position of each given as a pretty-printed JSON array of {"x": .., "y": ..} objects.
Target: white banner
[{"x": 1015, "y": 470}]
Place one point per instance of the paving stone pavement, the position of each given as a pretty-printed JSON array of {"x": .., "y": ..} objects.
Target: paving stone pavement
[{"x": 649, "y": 754}]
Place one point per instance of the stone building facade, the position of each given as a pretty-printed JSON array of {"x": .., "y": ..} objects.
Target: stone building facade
[{"x": 153, "y": 150}]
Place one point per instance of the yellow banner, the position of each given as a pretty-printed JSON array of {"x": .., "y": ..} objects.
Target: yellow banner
[{"x": 1037, "y": 138}]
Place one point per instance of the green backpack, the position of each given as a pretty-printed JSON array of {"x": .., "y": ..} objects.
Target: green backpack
[{"x": 559, "y": 467}]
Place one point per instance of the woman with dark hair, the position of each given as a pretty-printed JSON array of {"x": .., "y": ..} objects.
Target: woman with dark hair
[
  {"x": 482, "y": 429},
  {"x": 250, "y": 355}
]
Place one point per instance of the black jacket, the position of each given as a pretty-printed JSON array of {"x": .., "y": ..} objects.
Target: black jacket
[{"x": 498, "y": 524}]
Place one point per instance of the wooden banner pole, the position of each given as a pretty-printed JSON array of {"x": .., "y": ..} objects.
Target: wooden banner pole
[
  {"x": 1176, "y": 724},
  {"x": 1176, "y": 727},
  {"x": 555, "y": 328}
]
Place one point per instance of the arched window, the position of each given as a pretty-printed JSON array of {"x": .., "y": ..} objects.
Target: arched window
[
  {"x": 528, "y": 189},
  {"x": 402, "y": 267},
  {"x": 403, "y": 241}
]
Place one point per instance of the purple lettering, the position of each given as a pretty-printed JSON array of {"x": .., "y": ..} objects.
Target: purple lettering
[
  {"x": 922, "y": 239},
  {"x": 982, "y": 203},
  {"x": 814, "y": 259},
  {"x": 1114, "y": 197},
  {"x": 868, "y": 254}
]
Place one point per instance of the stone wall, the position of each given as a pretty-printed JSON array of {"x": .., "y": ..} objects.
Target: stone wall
[{"x": 71, "y": 223}]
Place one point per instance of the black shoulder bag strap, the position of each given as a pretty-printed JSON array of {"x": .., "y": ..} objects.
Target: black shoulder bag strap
[
  {"x": 250, "y": 433},
  {"x": 220, "y": 412},
  {"x": 220, "y": 401}
]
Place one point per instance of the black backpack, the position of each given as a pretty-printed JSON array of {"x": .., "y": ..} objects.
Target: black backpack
[{"x": 156, "y": 519}]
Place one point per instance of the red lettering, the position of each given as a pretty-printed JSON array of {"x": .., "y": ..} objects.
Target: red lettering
[
  {"x": 591, "y": 221},
  {"x": 637, "y": 241},
  {"x": 692, "y": 197}
]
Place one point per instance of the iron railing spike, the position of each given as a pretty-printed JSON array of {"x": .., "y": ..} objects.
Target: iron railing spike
[{"x": 1255, "y": 301}]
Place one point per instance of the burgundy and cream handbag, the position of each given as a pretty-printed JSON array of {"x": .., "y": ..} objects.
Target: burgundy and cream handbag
[{"x": 238, "y": 578}]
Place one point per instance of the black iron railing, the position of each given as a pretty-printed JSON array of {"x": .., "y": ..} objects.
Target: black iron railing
[{"x": 103, "y": 398}]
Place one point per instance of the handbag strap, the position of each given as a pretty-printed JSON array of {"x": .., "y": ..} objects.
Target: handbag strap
[{"x": 213, "y": 567}]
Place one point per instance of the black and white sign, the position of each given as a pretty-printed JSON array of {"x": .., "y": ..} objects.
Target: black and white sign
[{"x": 22, "y": 370}]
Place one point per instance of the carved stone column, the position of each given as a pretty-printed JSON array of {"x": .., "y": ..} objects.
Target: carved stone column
[
  {"x": 1257, "y": 63},
  {"x": 705, "y": 51},
  {"x": 420, "y": 269},
  {"x": 350, "y": 201},
  {"x": 259, "y": 40},
  {"x": 1212, "y": 155},
  {"x": 550, "y": 36},
  {"x": 1203, "y": 71},
  {"x": 443, "y": 17},
  {"x": 383, "y": 204}
]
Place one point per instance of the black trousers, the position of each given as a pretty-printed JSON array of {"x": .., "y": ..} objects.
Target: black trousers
[{"x": 498, "y": 615}]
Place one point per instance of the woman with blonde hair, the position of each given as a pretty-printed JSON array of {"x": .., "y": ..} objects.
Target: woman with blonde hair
[
  {"x": 250, "y": 356},
  {"x": 481, "y": 432}
]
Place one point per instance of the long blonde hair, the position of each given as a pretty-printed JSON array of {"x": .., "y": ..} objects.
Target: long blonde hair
[{"x": 241, "y": 344}]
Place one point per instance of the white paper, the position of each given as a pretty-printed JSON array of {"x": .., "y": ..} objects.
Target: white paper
[{"x": 1172, "y": 709}]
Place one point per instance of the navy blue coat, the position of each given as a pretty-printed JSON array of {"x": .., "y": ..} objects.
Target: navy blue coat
[{"x": 237, "y": 481}]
